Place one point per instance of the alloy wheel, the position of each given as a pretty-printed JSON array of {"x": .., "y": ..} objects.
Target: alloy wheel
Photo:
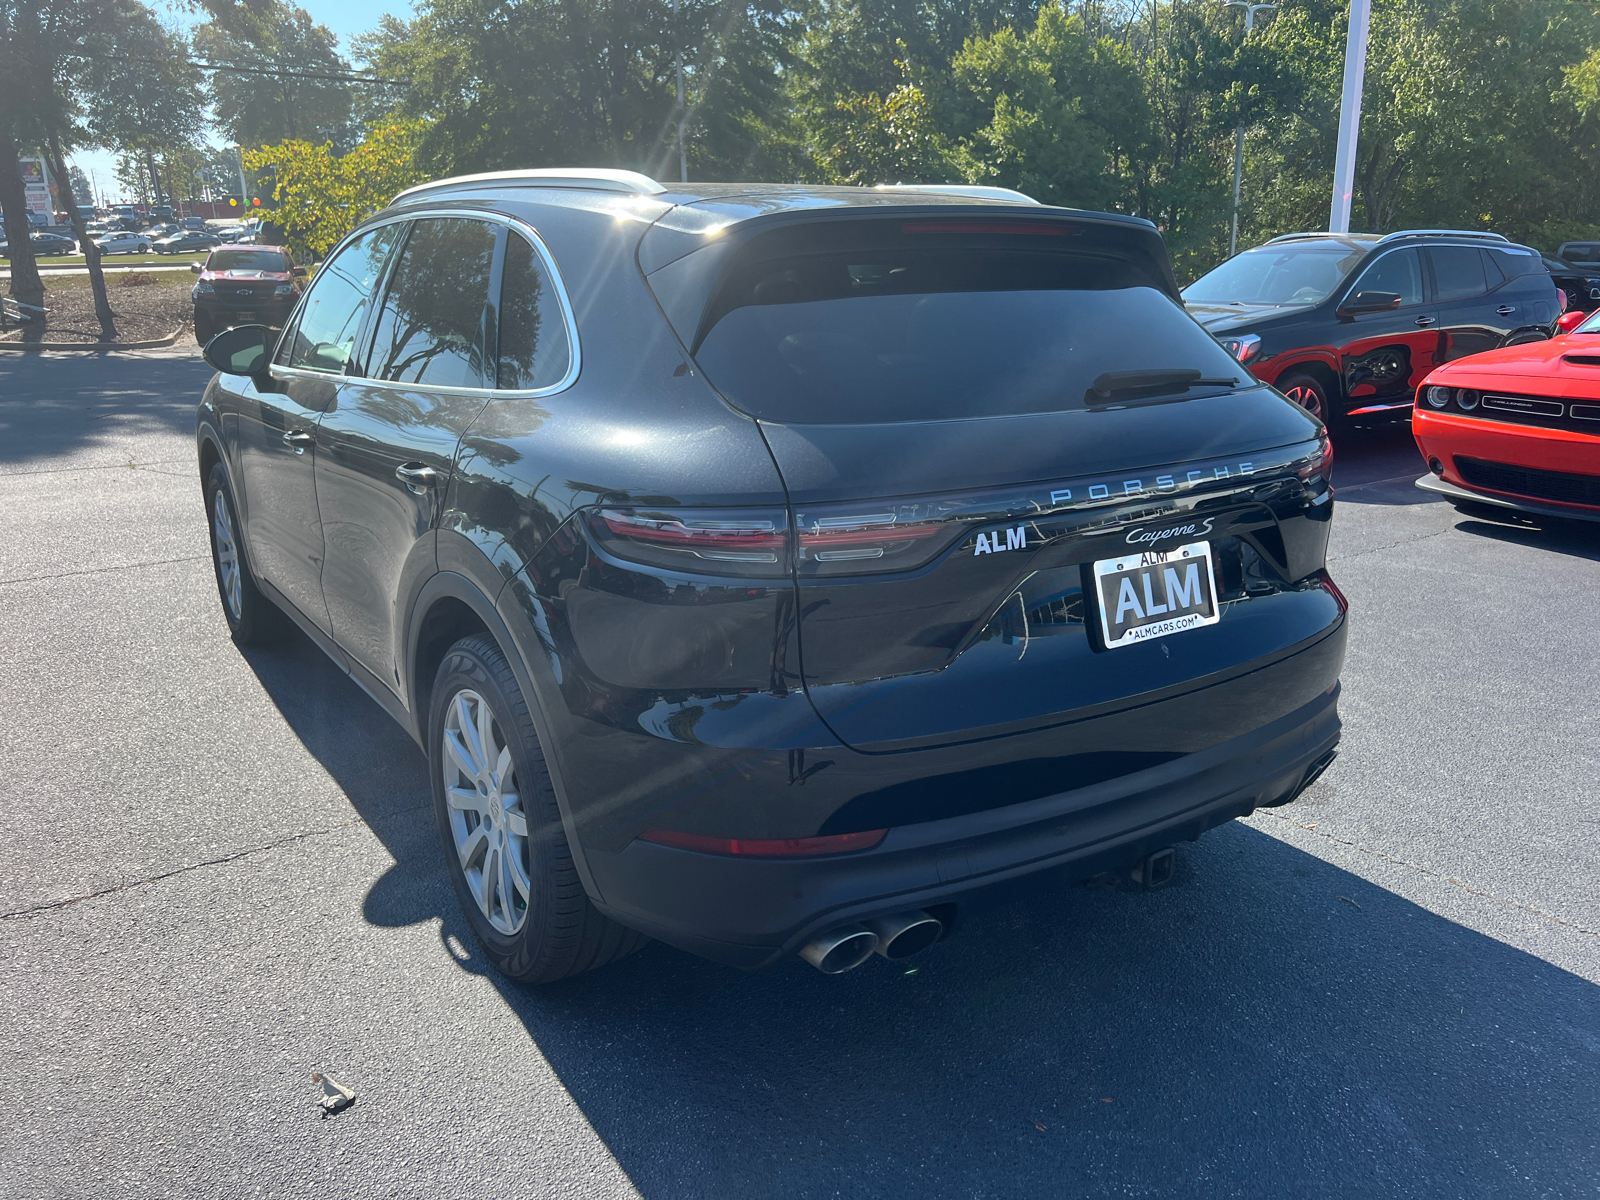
[
  {"x": 227, "y": 554},
  {"x": 1308, "y": 398},
  {"x": 487, "y": 823}
]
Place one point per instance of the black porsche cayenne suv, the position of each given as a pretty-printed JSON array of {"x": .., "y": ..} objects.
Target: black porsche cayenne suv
[
  {"x": 1351, "y": 324},
  {"x": 767, "y": 569}
]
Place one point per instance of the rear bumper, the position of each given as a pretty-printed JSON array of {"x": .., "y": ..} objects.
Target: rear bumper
[{"x": 750, "y": 913}]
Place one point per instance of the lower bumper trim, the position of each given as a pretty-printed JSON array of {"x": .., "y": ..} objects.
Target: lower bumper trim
[{"x": 1451, "y": 491}]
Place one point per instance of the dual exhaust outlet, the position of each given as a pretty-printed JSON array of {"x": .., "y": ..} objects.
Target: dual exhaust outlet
[{"x": 848, "y": 946}]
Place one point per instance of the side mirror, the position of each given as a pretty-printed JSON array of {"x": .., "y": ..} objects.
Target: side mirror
[
  {"x": 1363, "y": 302},
  {"x": 300, "y": 271},
  {"x": 240, "y": 351},
  {"x": 1568, "y": 321},
  {"x": 196, "y": 268}
]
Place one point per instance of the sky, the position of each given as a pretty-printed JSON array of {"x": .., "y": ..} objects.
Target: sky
[{"x": 346, "y": 18}]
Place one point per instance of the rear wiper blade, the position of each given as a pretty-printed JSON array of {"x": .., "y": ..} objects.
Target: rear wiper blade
[{"x": 1118, "y": 385}]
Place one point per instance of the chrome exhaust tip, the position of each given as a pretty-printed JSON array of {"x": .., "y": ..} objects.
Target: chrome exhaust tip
[
  {"x": 904, "y": 934},
  {"x": 840, "y": 950}
]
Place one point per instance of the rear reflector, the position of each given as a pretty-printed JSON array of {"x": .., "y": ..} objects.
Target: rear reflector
[
  {"x": 1332, "y": 588},
  {"x": 837, "y": 843}
]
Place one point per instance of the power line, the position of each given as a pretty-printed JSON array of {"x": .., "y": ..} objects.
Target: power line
[{"x": 273, "y": 72}]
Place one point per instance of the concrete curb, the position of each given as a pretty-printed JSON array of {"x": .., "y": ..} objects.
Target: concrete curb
[{"x": 151, "y": 345}]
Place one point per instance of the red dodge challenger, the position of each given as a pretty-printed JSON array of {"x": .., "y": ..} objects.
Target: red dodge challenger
[{"x": 1518, "y": 427}]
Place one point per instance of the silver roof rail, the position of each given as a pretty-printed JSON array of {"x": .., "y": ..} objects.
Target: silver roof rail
[
  {"x": 1314, "y": 234},
  {"x": 598, "y": 179},
  {"x": 977, "y": 191},
  {"x": 1402, "y": 234}
]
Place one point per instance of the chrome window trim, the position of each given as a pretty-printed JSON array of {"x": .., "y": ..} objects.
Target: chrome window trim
[{"x": 569, "y": 320}]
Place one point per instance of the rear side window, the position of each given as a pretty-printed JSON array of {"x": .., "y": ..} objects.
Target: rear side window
[
  {"x": 1513, "y": 264},
  {"x": 534, "y": 350},
  {"x": 912, "y": 333},
  {"x": 324, "y": 338},
  {"x": 431, "y": 329},
  {"x": 1457, "y": 272}
]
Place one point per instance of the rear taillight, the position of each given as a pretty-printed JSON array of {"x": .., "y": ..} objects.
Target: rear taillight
[
  {"x": 862, "y": 538},
  {"x": 1318, "y": 463},
  {"x": 705, "y": 541}
]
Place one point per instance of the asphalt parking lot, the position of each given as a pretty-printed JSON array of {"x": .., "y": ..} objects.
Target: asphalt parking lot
[{"x": 218, "y": 875}]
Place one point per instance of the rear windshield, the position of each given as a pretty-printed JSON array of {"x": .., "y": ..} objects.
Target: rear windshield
[
  {"x": 1586, "y": 253},
  {"x": 910, "y": 334},
  {"x": 247, "y": 260}
]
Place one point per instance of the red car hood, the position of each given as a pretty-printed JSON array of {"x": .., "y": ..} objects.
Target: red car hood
[{"x": 1571, "y": 361}]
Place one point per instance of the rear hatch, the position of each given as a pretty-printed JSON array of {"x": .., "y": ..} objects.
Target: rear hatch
[{"x": 969, "y": 413}]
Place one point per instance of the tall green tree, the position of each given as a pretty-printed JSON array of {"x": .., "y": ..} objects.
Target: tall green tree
[{"x": 254, "y": 108}]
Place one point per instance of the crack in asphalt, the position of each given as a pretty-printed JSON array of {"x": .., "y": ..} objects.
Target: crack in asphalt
[
  {"x": 223, "y": 860},
  {"x": 1432, "y": 874},
  {"x": 160, "y": 562},
  {"x": 1388, "y": 546},
  {"x": 130, "y": 465}
]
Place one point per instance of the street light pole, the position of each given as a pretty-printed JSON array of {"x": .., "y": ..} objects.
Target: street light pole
[
  {"x": 683, "y": 155},
  {"x": 1355, "y": 74},
  {"x": 1250, "y": 11}
]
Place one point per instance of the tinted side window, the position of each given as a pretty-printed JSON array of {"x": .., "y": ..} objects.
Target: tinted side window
[
  {"x": 431, "y": 329},
  {"x": 1515, "y": 264},
  {"x": 325, "y": 336},
  {"x": 1397, "y": 271},
  {"x": 534, "y": 352},
  {"x": 1458, "y": 271}
]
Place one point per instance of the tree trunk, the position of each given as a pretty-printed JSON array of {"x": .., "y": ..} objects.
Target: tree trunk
[
  {"x": 91, "y": 252},
  {"x": 26, "y": 285},
  {"x": 155, "y": 180}
]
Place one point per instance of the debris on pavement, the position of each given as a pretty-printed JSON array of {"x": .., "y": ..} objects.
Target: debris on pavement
[{"x": 335, "y": 1096}]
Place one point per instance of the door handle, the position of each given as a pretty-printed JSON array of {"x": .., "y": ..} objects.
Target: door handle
[
  {"x": 1425, "y": 321},
  {"x": 417, "y": 478},
  {"x": 299, "y": 440},
  {"x": 1505, "y": 310}
]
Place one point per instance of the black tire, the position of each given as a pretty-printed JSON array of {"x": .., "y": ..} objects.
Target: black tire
[
  {"x": 561, "y": 933},
  {"x": 252, "y": 618},
  {"x": 203, "y": 332},
  {"x": 1310, "y": 393},
  {"x": 1526, "y": 336}
]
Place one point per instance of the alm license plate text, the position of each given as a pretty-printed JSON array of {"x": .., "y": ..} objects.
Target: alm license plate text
[{"x": 1157, "y": 592}]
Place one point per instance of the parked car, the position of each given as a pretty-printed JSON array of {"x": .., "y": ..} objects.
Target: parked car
[
  {"x": 1579, "y": 282},
  {"x": 245, "y": 286},
  {"x": 123, "y": 242},
  {"x": 789, "y": 563},
  {"x": 1349, "y": 324},
  {"x": 186, "y": 241},
  {"x": 44, "y": 244},
  {"x": 1517, "y": 428},
  {"x": 193, "y": 223}
]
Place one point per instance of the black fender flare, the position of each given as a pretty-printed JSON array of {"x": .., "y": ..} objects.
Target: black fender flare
[{"x": 453, "y": 585}]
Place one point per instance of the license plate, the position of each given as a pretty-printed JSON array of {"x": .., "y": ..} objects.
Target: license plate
[
  {"x": 1154, "y": 593},
  {"x": 245, "y": 316}
]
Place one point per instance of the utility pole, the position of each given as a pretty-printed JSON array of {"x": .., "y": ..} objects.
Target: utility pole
[
  {"x": 244, "y": 195},
  {"x": 1250, "y": 11},
  {"x": 1355, "y": 75},
  {"x": 683, "y": 154}
]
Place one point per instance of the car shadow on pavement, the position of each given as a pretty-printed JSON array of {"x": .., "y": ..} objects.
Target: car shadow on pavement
[
  {"x": 52, "y": 405},
  {"x": 1268, "y": 1025},
  {"x": 1576, "y": 539}
]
